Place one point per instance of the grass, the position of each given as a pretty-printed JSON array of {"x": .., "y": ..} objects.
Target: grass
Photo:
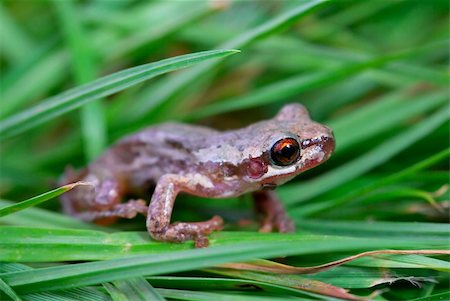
[{"x": 76, "y": 76}]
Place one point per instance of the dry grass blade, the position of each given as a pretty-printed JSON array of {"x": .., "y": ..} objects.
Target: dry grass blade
[{"x": 274, "y": 267}]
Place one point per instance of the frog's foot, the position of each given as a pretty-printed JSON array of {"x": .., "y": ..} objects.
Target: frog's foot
[
  {"x": 124, "y": 210},
  {"x": 281, "y": 222},
  {"x": 274, "y": 215},
  {"x": 179, "y": 232}
]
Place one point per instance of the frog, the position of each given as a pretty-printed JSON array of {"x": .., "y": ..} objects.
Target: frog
[{"x": 173, "y": 158}]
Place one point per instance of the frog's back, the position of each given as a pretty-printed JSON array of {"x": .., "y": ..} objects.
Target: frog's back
[{"x": 145, "y": 156}]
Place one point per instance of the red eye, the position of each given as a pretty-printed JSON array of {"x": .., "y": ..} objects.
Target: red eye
[{"x": 285, "y": 152}]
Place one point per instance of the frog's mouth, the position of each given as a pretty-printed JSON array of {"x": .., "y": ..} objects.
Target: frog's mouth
[{"x": 269, "y": 186}]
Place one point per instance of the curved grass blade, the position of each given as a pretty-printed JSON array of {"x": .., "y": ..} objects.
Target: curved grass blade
[
  {"x": 38, "y": 199},
  {"x": 278, "y": 268},
  {"x": 74, "y": 98},
  {"x": 297, "y": 193},
  {"x": 31, "y": 244},
  {"x": 38, "y": 217}
]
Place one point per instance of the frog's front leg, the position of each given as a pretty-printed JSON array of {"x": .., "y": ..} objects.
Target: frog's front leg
[
  {"x": 274, "y": 214},
  {"x": 160, "y": 211}
]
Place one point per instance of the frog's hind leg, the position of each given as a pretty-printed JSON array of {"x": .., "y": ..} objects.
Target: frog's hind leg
[
  {"x": 101, "y": 202},
  {"x": 273, "y": 213},
  {"x": 128, "y": 210},
  {"x": 160, "y": 211}
]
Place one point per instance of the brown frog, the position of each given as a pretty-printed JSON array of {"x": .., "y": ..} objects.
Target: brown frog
[{"x": 204, "y": 162}]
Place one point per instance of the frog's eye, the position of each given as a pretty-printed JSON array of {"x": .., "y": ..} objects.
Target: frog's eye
[{"x": 285, "y": 152}]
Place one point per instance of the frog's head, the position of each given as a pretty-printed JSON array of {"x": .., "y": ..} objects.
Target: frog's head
[{"x": 293, "y": 143}]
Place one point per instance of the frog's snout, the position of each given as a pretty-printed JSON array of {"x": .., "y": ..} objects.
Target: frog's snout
[
  {"x": 328, "y": 144},
  {"x": 325, "y": 143}
]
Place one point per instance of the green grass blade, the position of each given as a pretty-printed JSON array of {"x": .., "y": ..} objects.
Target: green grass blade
[
  {"x": 405, "y": 230},
  {"x": 31, "y": 244},
  {"x": 138, "y": 289},
  {"x": 403, "y": 261},
  {"x": 434, "y": 297},
  {"x": 104, "y": 86},
  {"x": 177, "y": 294},
  {"x": 15, "y": 43},
  {"x": 79, "y": 294},
  {"x": 354, "y": 277},
  {"x": 35, "y": 79},
  {"x": 206, "y": 283},
  {"x": 293, "y": 281},
  {"x": 8, "y": 291},
  {"x": 38, "y": 217},
  {"x": 84, "y": 68},
  {"x": 297, "y": 193},
  {"x": 38, "y": 199}
]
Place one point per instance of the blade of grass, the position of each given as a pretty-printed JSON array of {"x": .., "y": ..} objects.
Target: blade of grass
[
  {"x": 434, "y": 297},
  {"x": 74, "y": 98},
  {"x": 404, "y": 261},
  {"x": 176, "y": 294},
  {"x": 297, "y": 193},
  {"x": 207, "y": 283},
  {"x": 38, "y": 217},
  {"x": 138, "y": 289},
  {"x": 396, "y": 230},
  {"x": 84, "y": 69},
  {"x": 293, "y": 281},
  {"x": 268, "y": 266},
  {"x": 15, "y": 43},
  {"x": 353, "y": 277},
  {"x": 79, "y": 294},
  {"x": 35, "y": 79},
  {"x": 38, "y": 199},
  {"x": 116, "y": 294},
  {"x": 8, "y": 291},
  {"x": 31, "y": 244}
]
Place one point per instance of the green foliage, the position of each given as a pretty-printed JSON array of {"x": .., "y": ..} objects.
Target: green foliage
[{"x": 74, "y": 79}]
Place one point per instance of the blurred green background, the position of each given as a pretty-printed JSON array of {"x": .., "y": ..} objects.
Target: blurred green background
[{"x": 376, "y": 71}]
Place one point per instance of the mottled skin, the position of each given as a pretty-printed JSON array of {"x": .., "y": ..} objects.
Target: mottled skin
[{"x": 200, "y": 161}]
